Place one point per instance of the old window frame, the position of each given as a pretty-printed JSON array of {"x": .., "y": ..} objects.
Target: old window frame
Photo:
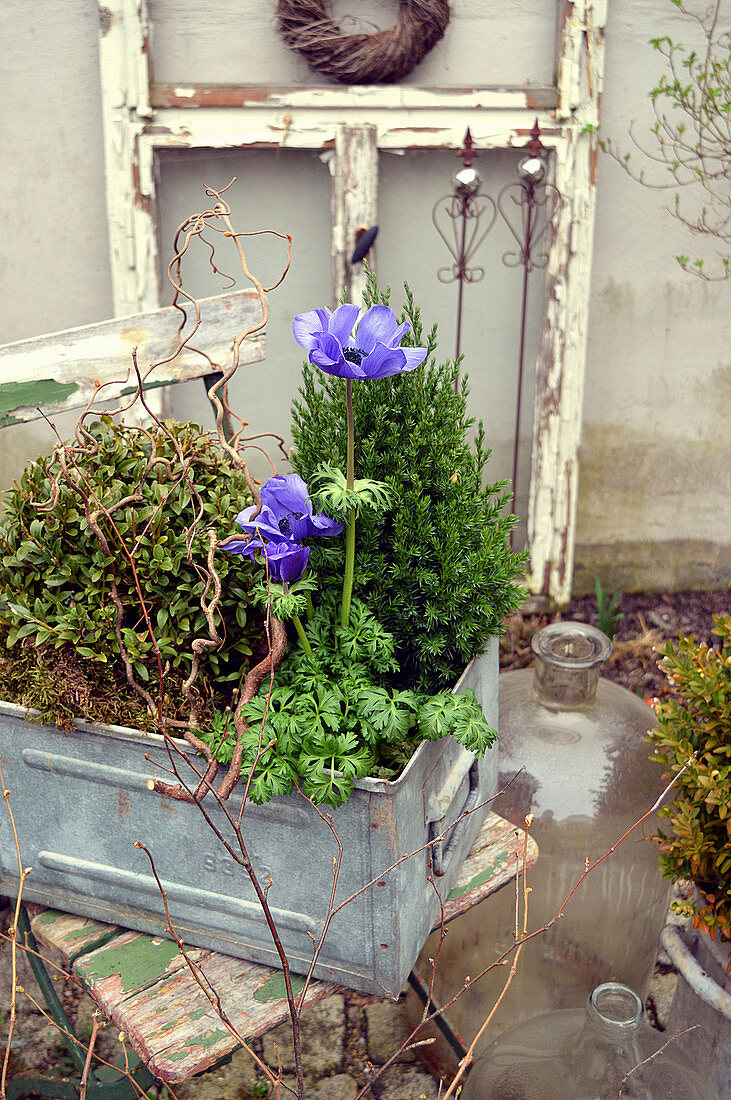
[{"x": 141, "y": 118}]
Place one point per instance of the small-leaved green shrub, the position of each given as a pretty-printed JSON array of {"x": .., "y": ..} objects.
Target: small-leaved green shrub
[
  {"x": 696, "y": 718},
  {"x": 436, "y": 567},
  {"x": 55, "y": 592}
]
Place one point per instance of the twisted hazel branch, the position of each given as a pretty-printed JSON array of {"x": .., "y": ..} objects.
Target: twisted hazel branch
[
  {"x": 248, "y": 691},
  {"x": 216, "y": 219}
]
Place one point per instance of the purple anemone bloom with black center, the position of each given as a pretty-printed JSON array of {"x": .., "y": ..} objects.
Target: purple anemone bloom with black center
[
  {"x": 371, "y": 351},
  {"x": 286, "y": 516},
  {"x": 286, "y": 512}
]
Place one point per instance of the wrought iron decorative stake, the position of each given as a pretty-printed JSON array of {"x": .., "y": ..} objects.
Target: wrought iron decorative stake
[
  {"x": 528, "y": 208},
  {"x": 462, "y": 212}
]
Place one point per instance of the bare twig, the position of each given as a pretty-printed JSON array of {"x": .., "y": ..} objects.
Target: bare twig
[
  {"x": 142, "y": 1095},
  {"x": 465, "y": 1062},
  {"x": 23, "y": 873},
  {"x": 89, "y": 1054},
  {"x": 198, "y": 975},
  {"x": 651, "y": 1057}
]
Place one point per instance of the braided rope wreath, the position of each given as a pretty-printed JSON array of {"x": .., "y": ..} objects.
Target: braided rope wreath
[{"x": 380, "y": 58}]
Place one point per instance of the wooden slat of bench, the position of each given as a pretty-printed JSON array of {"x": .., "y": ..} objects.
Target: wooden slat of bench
[
  {"x": 143, "y": 985},
  {"x": 58, "y": 371},
  {"x": 64, "y": 938},
  {"x": 165, "y": 1015},
  {"x": 494, "y": 860}
]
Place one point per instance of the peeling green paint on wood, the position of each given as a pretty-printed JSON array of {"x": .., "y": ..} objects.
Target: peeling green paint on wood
[
  {"x": 138, "y": 962},
  {"x": 176, "y": 1055},
  {"x": 81, "y": 360},
  {"x": 274, "y": 988},
  {"x": 489, "y": 871},
  {"x": 210, "y": 1038},
  {"x": 205, "y": 1042},
  {"x": 73, "y": 936},
  {"x": 49, "y": 917},
  {"x": 89, "y": 943},
  {"x": 41, "y": 391}
]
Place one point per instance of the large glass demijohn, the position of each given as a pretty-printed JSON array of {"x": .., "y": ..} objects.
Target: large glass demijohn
[
  {"x": 601, "y": 1053},
  {"x": 577, "y": 743}
]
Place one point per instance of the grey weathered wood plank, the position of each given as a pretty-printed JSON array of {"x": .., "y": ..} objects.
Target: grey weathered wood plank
[{"x": 60, "y": 370}]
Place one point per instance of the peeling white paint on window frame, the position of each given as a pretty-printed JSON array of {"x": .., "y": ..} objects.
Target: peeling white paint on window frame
[{"x": 355, "y": 125}]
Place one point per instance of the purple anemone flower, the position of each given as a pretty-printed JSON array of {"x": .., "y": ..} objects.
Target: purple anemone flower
[
  {"x": 286, "y": 512},
  {"x": 373, "y": 351},
  {"x": 286, "y": 561}
]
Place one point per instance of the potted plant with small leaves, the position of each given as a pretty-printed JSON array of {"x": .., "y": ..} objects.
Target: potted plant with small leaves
[{"x": 693, "y": 740}]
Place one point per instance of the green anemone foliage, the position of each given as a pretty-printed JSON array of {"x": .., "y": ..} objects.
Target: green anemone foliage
[
  {"x": 328, "y": 721},
  {"x": 436, "y": 567},
  {"x": 55, "y": 577}
]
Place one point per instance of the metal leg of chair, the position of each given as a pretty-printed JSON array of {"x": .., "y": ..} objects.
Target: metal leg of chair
[
  {"x": 41, "y": 1086},
  {"x": 421, "y": 989},
  {"x": 53, "y": 1004},
  {"x": 121, "y": 1088},
  {"x": 115, "y": 1087}
]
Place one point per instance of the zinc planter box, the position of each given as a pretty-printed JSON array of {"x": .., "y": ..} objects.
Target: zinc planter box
[{"x": 80, "y": 801}]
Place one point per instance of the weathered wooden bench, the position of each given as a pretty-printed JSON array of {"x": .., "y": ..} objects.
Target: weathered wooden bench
[{"x": 143, "y": 986}]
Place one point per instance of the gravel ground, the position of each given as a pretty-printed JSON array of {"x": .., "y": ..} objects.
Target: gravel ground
[{"x": 347, "y": 1035}]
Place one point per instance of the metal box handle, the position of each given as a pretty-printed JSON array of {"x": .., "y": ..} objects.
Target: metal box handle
[{"x": 442, "y": 850}]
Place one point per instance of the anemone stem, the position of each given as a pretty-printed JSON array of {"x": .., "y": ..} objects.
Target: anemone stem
[
  {"x": 350, "y": 470},
  {"x": 304, "y": 640},
  {"x": 350, "y": 527}
]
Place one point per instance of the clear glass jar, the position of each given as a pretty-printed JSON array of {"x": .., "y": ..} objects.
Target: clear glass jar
[
  {"x": 586, "y": 779},
  {"x": 589, "y": 1055}
]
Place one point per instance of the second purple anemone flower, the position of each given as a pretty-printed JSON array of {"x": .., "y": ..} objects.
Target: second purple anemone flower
[
  {"x": 286, "y": 516},
  {"x": 286, "y": 512},
  {"x": 286, "y": 561},
  {"x": 372, "y": 351}
]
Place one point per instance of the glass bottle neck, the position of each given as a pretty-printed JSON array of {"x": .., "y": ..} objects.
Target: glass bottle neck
[
  {"x": 614, "y": 1013},
  {"x": 569, "y": 657}
]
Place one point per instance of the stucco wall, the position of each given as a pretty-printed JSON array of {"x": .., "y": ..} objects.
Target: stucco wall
[
  {"x": 655, "y": 459},
  {"x": 653, "y": 501},
  {"x": 55, "y": 257}
]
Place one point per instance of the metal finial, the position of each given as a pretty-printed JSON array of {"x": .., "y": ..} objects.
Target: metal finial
[
  {"x": 535, "y": 146},
  {"x": 468, "y": 153}
]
